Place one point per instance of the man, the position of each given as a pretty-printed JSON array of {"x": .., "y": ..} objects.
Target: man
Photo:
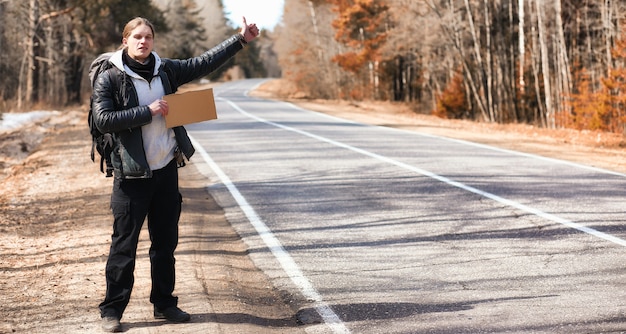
[{"x": 128, "y": 102}]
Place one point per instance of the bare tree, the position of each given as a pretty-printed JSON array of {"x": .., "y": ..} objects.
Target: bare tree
[
  {"x": 545, "y": 64},
  {"x": 521, "y": 44},
  {"x": 28, "y": 68},
  {"x": 305, "y": 61}
]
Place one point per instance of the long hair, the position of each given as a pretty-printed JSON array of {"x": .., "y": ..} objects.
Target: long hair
[{"x": 134, "y": 23}]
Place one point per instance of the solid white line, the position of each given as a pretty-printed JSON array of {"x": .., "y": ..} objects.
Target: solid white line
[
  {"x": 331, "y": 319},
  {"x": 443, "y": 179}
]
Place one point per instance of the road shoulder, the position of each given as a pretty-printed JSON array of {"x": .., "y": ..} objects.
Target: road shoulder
[{"x": 56, "y": 225}]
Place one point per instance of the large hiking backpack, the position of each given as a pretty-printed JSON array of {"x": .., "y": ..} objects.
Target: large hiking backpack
[{"x": 101, "y": 142}]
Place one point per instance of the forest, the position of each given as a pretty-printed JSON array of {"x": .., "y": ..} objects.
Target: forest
[
  {"x": 48, "y": 45},
  {"x": 547, "y": 63},
  {"x": 553, "y": 64}
]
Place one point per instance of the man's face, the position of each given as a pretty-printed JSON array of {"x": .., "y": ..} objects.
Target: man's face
[{"x": 140, "y": 43}]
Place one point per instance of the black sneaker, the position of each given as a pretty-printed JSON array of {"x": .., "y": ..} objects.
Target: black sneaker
[
  {"x": 173, "y": 314},
  {"x": 111, "y": 325}
]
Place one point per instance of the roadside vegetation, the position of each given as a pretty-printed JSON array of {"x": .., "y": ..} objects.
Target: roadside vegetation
[{"x": 550, "y": 64}]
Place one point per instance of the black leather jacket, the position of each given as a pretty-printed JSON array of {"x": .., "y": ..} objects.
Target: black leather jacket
[{"x": 116, "y": 108}]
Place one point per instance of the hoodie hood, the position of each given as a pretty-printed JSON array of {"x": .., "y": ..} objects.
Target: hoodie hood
[{"x": 116, "y": 60}]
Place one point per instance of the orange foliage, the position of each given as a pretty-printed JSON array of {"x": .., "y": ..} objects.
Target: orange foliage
[
  {"x": 351, "y": 61},
  {"x": 589, "y": 108},
  {"x": 452, "y": 102},
  {"x": 602, "y": 109},
  {"x": 615, "y": 88},
  {"x": 361, "y": 26}
]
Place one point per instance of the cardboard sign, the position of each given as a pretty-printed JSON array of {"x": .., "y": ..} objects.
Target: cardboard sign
[{"x": 190, "y": 107}]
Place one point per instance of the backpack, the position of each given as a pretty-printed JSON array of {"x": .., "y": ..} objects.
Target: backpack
[
  {"x": 100, "y": 142},
  {"x": 103, "y": 143}
]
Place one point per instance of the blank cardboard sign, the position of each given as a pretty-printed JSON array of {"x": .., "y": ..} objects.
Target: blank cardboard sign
[{"x": 190, "y": 107}]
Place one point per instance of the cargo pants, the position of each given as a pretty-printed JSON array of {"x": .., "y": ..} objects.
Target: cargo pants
[{"x": 132, "y": 200}]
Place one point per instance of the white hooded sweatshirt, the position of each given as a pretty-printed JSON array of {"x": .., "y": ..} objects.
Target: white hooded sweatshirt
[{"x": 159, "y": 142}]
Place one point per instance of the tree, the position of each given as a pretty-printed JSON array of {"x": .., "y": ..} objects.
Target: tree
[
  {"x": 601, "y": 107},
  {"x": 613, "y": 91},
  {"x": 186, "y": 36},
  {"x": 7, "y": 57},
  {"x": 305, "y": 59},
  {"x": 361, "y": 26},
  {"x": 56, "y": 39},
  {"x": 452, "y": 103},
  {"x": 589, "y": 108},
  {"x": 214, "y": 21}
]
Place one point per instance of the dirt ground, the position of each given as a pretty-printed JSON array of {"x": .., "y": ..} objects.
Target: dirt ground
[{"x": 56, "y": 226}]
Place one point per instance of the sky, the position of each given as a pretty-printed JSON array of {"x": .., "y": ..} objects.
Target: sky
[{"x": 265, "y": 13}]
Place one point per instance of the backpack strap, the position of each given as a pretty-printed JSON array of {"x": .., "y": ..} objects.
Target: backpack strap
[
  {"x": 103, "y": 143},
  {"x": 107, "y": 148}
]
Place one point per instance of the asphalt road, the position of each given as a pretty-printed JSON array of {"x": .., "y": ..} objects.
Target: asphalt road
[{"x": 381, "y": 230}]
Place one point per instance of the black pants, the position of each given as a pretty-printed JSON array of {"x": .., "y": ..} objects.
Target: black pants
[{"x": 159, "y": 199}]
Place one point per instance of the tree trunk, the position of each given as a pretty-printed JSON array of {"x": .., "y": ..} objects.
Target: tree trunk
[
  {"x": 545, "y": 66},
  {"x": 487, "y": 113},
  {"x": 488, "y": 66},
  {"x": 316, "y": 31},
  {"x": 606, "y": 25},
  {"x": 522, "y": 45},
  {"x": 564, "y": 74},
  {"x": 31, "y": 53},
  {"x": 535, "y": 60}
]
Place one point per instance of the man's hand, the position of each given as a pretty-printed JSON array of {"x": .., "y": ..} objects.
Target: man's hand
[
  {"x": 159, "y": 107},
  {"x": 249, "y": 31}
]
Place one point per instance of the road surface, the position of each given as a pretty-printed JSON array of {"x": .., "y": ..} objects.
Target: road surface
[{"x": 381, "y": 230}]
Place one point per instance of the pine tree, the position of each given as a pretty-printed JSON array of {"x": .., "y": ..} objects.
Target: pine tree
[{"x": 186, "y": 36}]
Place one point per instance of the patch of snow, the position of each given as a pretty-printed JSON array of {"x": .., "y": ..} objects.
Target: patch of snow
[{"x": 13, "y": 121}]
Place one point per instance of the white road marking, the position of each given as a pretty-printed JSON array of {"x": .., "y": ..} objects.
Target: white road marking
[
  {"x": 331, "y": 319},
  {"x": 443, "y": 179}
]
